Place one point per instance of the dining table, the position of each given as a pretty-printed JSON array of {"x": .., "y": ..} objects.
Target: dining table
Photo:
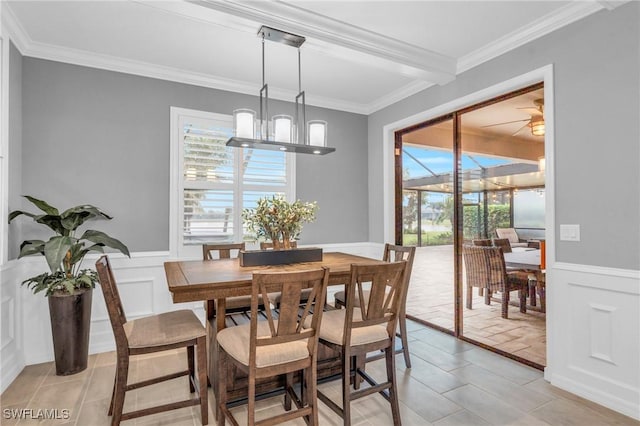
[{"x": 212, "y": 281}]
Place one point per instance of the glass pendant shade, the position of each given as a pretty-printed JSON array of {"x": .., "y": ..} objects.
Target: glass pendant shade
[
  {"x": 317, "y": 133},
  {"x": 243, "y": 123},
  {"x": 537, "y": 125},
  {"x": 282, "y": 128}
]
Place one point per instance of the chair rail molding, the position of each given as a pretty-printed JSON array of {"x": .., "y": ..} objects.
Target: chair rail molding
[{"x": 26, "y": 327}]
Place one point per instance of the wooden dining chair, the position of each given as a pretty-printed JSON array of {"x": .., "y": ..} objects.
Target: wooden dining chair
[
  {"x": 277, "y": 346},
  {"x": 155, "y": 333},
  {"x": 392, "y": 253},
  {"x": 485, "y": 267},
  {"x": 363, "y": 327},
  {"x": 225, "y": 251}
]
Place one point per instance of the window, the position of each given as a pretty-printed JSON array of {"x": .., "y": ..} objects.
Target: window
[{"x": 212, "y": 183}]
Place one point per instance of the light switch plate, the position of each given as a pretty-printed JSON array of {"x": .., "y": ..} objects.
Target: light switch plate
[{"x": 569, "y": 232}]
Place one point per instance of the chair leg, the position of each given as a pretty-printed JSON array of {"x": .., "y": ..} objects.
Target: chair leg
[
  {"x": 191, "y": 366},
  {"x": 505, "y": 303},
  {"x": 469, "y": 296},
  {"x": 312, "y": 393},
  {"x": 251, "y": 399},
  {"x": 288, "y": 383},
  {"x": 121, "y": 385},
  {"x": 543, "y": 298},
  {"x": 222, "y": 387},
  {"x": 532, "y": 293},
  {"x": 346, "y": 385},
  {"x": 203, "y": 390},
  {"x": 487, "y": 297},
  {"x": 480, "y": 291},
  {"x": 113, "y": 392},
  {"x": 523, "y": 299},
  {"x": 391, "y": 378},
  {"x": 405, "y": 340}
]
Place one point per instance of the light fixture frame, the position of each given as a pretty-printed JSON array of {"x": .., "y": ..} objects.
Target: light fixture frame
[{"x": 301, "y": 145}]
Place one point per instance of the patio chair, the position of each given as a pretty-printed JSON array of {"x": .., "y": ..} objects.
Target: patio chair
[
  {"x": 512, "y": 236},
  {"x": 503, "y": 243},
  {"x": 484, "y": 267}
]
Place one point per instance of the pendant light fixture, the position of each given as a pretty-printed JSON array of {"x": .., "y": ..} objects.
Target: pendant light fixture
[{"x": 282, "y": 132}]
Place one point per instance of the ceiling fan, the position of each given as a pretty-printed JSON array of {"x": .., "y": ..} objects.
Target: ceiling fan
[{"x": 535, "y": 122}]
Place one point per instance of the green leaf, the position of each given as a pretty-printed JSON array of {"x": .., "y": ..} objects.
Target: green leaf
[
  {"x": 53, "y": 222},
  {"x": 101, "y": 238},
  {"x": 31, "y": 247},
  {"x": 55, "y": 250},
  {"x": 69, "y": 285},
  {"x": 17, "y": 213},
  {"x": 43, "y": 205},
  {"x": 76, "y": 216}
]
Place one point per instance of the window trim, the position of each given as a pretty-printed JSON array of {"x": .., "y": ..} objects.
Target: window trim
[{"x": 176, "y": 195}]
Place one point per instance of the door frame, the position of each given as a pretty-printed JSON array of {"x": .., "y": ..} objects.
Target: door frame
[{"x": 391, "y": 139}]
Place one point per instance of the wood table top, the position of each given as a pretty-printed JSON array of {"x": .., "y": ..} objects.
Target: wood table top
[{"x": 195, "y": 280}]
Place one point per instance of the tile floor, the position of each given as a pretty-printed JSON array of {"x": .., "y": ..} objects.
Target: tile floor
[
  {"x": 431, "y": 299},
  {"x": 451, "y": 383}
]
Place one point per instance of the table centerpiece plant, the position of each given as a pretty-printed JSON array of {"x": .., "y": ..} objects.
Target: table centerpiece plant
[
  {"x": 279, "y": 220},
  {"x": 68, "y": 288}
]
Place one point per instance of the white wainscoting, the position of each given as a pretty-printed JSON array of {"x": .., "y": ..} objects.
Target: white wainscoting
[
  {"x": 11, "y": 354},
  {"x": 26, "y": 327},
  {"x": 594, "y": 338}
]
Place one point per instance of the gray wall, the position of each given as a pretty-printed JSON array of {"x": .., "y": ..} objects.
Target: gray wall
[
  {"x": 597, "y": 86},
  {"x": 102, "y": 137},
  {"x": 15, "y": 148}
]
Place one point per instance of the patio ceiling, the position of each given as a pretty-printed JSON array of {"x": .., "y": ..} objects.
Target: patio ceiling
[{"x": 495, "y": 178}]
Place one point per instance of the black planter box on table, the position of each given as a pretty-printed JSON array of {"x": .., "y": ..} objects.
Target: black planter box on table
[{"x": 280, "y": 257}]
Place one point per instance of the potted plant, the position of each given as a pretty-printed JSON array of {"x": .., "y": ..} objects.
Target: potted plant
[
  {"x": 279, "y": 221},
  {"x": 68, "y": 288}
]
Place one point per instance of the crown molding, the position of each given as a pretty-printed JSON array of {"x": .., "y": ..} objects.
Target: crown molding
[
  {"x": 333, "y": 37},
  {"x": 540, "y": 27},
  {"x": 12, "y": 26},
  {"x": 397, "y": 95}
]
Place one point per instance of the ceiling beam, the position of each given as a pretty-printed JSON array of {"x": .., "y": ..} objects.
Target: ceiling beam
[{"x": 343, "y": 40}]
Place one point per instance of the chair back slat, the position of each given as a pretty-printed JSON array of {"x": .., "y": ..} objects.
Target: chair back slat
[
  {"x": 287, "y": 327},
  {"x": 112, "y": 300},
  {"x": 223, "y": 250},
  {"x": 387, "y": 287}
]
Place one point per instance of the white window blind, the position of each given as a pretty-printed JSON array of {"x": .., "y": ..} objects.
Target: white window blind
[{"x": 216, "y": 182}]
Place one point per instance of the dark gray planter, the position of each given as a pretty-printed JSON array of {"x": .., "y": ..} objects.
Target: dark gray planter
[
  {"x": 70, "y": 325},
  {"x": 280, "y": 257}
]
